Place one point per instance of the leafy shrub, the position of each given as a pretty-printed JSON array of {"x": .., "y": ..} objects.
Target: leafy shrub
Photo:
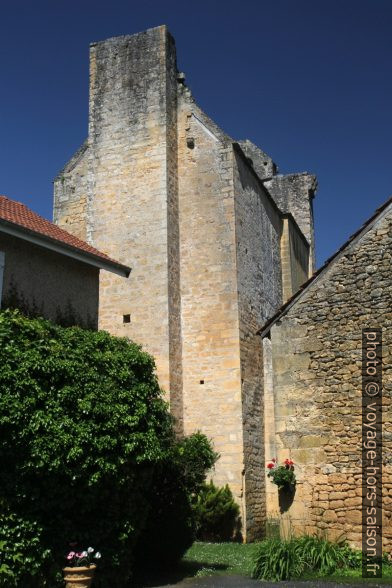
[
  {"x": 83, "y": 429},
  {"x": 326, "y": 556},
  {"x": 8, "y": 577},
  {"x": 285, "y": 560},
  {"x": 21, "y": 553},
  {"x": 216, "y": 513},
  {"x": 278, "y": 560},
  {"x": 171, "y": 525}
]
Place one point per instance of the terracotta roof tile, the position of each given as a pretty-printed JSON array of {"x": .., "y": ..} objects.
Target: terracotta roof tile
[{"x": 19, "y": 214}]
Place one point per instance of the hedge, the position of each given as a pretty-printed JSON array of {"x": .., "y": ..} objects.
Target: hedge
[{"x": 83, "y": 430}]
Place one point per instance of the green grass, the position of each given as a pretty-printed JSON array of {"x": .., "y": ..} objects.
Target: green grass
[
  {"x": 217, "y": 559},
  {"x": 221, "y": 558}
]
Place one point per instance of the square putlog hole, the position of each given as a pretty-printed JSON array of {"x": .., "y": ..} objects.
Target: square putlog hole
[{"x": 126, "y": 318}]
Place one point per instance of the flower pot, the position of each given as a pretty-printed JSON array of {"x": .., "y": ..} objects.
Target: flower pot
[{"x": 79, "y": 577}]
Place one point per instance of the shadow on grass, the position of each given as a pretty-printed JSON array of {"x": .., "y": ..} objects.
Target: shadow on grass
[{"x": 185, "y": 569}]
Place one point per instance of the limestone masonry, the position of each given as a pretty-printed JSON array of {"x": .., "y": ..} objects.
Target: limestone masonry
[{"x": 217, "y": 241}]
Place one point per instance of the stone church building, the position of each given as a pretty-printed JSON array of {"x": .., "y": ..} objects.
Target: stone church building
[{"x": 217, "y": 241}]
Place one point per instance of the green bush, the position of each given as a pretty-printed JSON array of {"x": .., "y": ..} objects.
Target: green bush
[
  {"x": 83, "y": 430},
  {"x": 8, "y": 575},
  {"x": 216, "y": 514},
  {"x": 286, "y": 560},
  {"x": 171, "y": 525},
  {"x": 20, "y": 548}
]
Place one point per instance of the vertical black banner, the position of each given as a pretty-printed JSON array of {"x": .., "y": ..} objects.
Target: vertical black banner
[{"x": 371, "y": 453}]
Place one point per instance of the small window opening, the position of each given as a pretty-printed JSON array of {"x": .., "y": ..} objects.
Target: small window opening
[
  {"x": 126, "y": 318},
  {"x": 190, "y": 143},
  {"x": 201, "y": 381}
]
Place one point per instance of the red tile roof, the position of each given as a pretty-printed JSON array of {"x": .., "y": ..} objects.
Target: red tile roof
[{"x": 16, "y": 213}]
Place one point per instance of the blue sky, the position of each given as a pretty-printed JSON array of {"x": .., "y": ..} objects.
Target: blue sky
[{"x": 309, "y": 81}]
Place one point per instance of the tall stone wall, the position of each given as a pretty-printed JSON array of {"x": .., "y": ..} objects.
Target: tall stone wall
[
  {"x": 130, "y": 187},
  {"x": 294, "y": 253},
  {"x": 70, "y": 195},
  {"x": 293, "y": 193},
  {"x": 160, "y": 187},
  {"x": 209, "y": 305},
  {"x": 316, "y": 373},
  {"x": 258, "y": 229}
]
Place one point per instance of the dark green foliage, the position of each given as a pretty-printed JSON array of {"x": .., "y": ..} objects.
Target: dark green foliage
[
  {"x": 8, "y": 573},
  {"x": 82, "y": 428},
  {"x": 171, "y": 525},
  {"x": 326, "y": 556},
  {"x": 20, "y": 548},
  {"x": 286, "y": 560},
  {"x": 216, "y": 513}
]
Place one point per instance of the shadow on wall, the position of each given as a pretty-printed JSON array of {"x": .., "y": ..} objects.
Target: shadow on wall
[
  {"x": 286, "y": 497},
  {"x": 65, "y": 317}
]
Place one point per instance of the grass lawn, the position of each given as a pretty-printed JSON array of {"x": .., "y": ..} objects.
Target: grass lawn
[
  {"x": 214, "y": 559},
  {"x": 221, "y": 558}
]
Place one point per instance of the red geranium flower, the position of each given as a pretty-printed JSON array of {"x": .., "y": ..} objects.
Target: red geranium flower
[{"x": 270, "y": 466}]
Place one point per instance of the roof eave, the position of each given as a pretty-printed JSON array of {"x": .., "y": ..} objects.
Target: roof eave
[{"x": 63, "y": 248}]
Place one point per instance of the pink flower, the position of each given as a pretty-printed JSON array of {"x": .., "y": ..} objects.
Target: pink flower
[{"x": 71, "y": 555}]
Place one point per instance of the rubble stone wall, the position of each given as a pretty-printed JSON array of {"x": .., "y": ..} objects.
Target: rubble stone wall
[{"x": 316, "y": 374}]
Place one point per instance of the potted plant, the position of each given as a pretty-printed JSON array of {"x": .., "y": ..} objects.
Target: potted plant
[
  {"x": 282, "y": 475},
  {"x": 80, "y": 568}
]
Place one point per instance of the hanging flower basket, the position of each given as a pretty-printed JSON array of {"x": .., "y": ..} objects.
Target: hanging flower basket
[
  {"x": 79, "y": 577},
  {"x": 282, "y": 475}
]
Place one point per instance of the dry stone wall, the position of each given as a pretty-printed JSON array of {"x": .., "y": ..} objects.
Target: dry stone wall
[{"x": 316, "y": 379}]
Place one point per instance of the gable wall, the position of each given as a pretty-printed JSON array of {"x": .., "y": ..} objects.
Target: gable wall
[
  {"x": 316, "y": 371},
  {"x": 209, "y": 306}
]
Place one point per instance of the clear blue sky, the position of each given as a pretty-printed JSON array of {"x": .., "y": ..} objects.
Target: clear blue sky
[{"x": 309, "y": 81}]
